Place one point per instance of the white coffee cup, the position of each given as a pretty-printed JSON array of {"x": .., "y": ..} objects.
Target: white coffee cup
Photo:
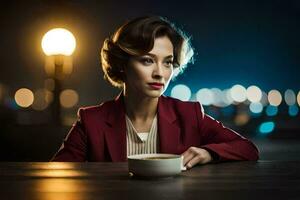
[{"x": 155, "y": 165}]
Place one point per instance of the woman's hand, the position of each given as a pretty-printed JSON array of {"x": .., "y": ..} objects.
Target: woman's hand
[{"x": 195, "y": 155}]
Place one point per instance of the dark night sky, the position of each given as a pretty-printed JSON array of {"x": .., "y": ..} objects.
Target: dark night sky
[{"x": 246, "y": 42}]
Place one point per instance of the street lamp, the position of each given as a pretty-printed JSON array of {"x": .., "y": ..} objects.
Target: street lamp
[{"x": 58, "y": 44}]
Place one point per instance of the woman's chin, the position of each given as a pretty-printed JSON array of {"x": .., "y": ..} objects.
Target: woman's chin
[{"x": 154, "y": 93}]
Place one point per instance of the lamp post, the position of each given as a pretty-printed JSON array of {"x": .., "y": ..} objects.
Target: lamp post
[{"x": 58, "y": 45}]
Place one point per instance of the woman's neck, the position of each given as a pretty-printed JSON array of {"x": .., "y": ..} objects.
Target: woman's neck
[{"x": 140, "y": 108}]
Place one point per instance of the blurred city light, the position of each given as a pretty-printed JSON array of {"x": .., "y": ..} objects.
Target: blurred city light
[
  {"x": 293, "y": 110},
  {"x": 254, "y": 94},
  {"x": 238, "y": 93},
  {"x": 241, "y": 119},
  {"x": 289, "y": 97},
  {"x": 274, "y": 98},
  {"x": 271, "y": 110},
  {"x": 68, "y": 98},
  {"x": 181, "y": 92},
  {"x": 42, "y": 98},
  {"x": 58, "y": 41},
  {"x": 256, "y": 107},
  {"x": 226, "y": 97},
  {"x": 58, "y": 44},
  {"x": 205, "y": 96},
  {"x": 24, "y": 97},
  {"x": 266, "y": 127},
  {"x": 264, "y": 99},
  {"x": 217, "y": 97}
]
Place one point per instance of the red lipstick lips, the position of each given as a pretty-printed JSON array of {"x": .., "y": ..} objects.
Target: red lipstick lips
[{"x": 156, "y": 86}]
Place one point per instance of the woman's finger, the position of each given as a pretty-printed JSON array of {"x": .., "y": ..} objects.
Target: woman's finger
[
  {"x": 195, "y": 160},
  {"x": 187, "y": 156}
]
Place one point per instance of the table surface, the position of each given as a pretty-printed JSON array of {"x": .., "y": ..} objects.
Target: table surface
[{"x": 229, "y": 180}]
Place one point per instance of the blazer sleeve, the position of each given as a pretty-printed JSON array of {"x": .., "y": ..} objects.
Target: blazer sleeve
[
  {"x": 223, "y": 143},
  {"x": 74, "y": 146}
]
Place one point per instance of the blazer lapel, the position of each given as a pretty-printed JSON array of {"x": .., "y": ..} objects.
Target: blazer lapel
[
  {"x": 168, "y": 129},
  {"x": 115, "y": 133}
]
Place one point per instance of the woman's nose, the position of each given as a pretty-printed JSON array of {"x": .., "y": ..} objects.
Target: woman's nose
[{"x": 158, "y": 71}]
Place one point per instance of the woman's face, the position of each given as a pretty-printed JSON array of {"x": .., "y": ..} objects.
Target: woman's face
[{"x": 149, "y": 75}]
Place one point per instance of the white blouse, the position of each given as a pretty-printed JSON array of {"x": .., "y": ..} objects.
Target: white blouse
[{"x": 141, "y": 143}]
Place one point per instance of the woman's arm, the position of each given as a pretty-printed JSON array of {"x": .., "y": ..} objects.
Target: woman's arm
[
  {"x": 219, "y": 143},
  {"x": 226, "y": 143}
]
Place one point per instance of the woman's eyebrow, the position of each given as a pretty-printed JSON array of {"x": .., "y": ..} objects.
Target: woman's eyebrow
[
  {"x": 170, "y": 56},
  {"x": 154, "y": 56}
]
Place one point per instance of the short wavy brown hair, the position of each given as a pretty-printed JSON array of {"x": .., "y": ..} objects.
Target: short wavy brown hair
[{"x": 136, "y": 38}]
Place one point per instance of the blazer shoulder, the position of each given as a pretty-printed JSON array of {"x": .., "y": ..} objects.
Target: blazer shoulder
[
  {"x": 185, "y": 106},
  {"x": 95, "y": 110},
  {"x": 175, "y": 101}
]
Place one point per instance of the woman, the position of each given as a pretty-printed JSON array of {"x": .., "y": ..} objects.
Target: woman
[{"x": 141, "y": 58}]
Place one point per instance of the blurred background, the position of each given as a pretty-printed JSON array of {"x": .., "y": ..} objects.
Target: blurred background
[{"x": 246, "y": 69}]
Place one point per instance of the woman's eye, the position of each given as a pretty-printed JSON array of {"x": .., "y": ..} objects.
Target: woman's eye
[
  {"x": 169, "y": 63},
  {"x": 146, "y": 61}
]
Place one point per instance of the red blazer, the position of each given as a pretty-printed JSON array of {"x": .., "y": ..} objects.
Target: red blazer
[{"x": 100, "y": 133}]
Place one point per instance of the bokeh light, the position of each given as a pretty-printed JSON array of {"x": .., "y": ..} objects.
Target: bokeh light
[
  {"x": 271, "y": 110},
  {"x": 68, "y": 98},
  {"x": 217, "y": 97},
  {"x": 293, "y": 110},
  {"x": 42, "y": 98},
  {"x": 226, "y": 97},
  {"x": 238, "y": 93},
  {"x": 254, "y": 94},
  {"x": 264, "y": 99},
  {"x": 274, "y": 98},
  {"x": 205, "y": 96},
  {"x": 58, "y": 41},
  {"x": 241, "y": 119},
  {"x": 289, "y": 97},
  {"x": 24, "y": 97},
  {"x": 266, "y": 127},
  {"x": 181, "y": 92},
  {"x": 256, "y": 107}
]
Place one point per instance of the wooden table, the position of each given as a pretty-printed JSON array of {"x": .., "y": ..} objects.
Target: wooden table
[{"x": 72, "y": 181}]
